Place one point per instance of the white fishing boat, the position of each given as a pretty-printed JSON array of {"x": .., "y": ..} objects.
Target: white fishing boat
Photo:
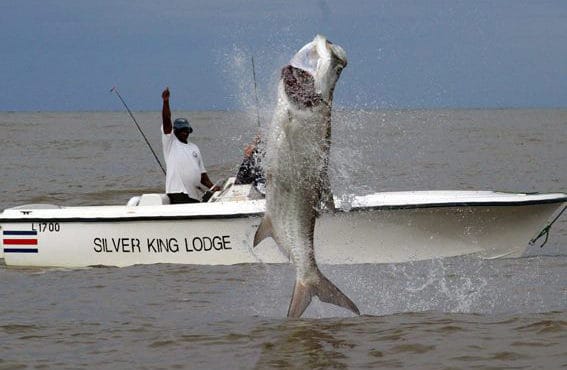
[{"x": 377, "y": 228}]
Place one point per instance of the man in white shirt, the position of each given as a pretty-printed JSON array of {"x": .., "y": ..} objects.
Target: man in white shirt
[{"x": 185, "y": 168}]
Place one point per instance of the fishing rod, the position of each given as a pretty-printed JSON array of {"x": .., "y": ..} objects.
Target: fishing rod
[
  {"x": 256, "y": 92},
  {"x": 115, "y": 90}
]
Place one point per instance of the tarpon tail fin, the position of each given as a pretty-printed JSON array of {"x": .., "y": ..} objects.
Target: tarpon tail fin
[
  {"x": 264, "y": 230},
  {"x": 301, "y": 298},
  {"x": 325, "y": 290}
]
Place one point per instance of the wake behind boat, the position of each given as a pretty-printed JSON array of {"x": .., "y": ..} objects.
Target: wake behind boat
[{"x": 385, "y": 227}]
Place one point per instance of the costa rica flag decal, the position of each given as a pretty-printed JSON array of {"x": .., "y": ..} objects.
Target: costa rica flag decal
[{"x": 20, "y": 241}]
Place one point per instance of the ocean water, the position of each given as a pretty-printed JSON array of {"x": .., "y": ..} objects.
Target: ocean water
[{"x": 455, "y": 313}]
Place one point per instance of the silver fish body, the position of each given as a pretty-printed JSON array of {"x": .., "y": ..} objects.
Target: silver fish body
[{"x": 297, "y": 157}]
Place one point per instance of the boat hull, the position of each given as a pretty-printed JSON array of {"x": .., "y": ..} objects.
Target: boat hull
[
  {"x": 403, "y": 235},
  {"x": 384, "y": 233}
]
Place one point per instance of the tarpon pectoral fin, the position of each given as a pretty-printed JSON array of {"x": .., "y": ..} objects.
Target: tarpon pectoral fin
[
  {"x": 325, "y": 290},
  {"x": 264, "y": 230}
]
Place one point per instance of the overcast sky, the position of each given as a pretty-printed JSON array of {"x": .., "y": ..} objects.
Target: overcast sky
[{"x": 65, "y": 55}]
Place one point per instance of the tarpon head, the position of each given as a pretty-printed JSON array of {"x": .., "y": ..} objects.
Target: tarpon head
[{"x": 313, "y": 72}]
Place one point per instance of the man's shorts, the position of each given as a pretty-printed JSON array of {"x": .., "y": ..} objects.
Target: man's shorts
[{"x": 177, "y": 198}]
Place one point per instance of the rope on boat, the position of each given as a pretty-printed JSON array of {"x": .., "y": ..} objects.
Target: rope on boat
[{"x": 545, "y": 230}]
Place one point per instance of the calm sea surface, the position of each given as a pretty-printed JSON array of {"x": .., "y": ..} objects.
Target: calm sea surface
[{"x": 458, "y": 313}]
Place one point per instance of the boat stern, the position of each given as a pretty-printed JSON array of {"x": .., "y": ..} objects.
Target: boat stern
[
  {"x": 21, "y": 238},
  {"x": 1, "y": 246}
]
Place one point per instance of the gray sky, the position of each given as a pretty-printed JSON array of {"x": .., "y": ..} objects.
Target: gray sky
[{"x": 65, "y": 55}]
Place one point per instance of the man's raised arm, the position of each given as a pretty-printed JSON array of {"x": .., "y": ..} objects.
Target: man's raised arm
[{"x": 166, "y": 112}]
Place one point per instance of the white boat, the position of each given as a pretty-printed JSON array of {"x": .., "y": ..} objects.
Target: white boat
[{"x": 377, "y": 228}]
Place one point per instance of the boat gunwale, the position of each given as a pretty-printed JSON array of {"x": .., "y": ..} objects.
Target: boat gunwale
[{"x": 358, "y": 208}]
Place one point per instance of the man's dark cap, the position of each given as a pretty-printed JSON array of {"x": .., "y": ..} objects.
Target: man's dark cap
[{"x": 181, "y": 123}]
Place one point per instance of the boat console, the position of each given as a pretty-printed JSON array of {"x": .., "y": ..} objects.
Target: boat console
[{"x": 229, "y": 193}]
